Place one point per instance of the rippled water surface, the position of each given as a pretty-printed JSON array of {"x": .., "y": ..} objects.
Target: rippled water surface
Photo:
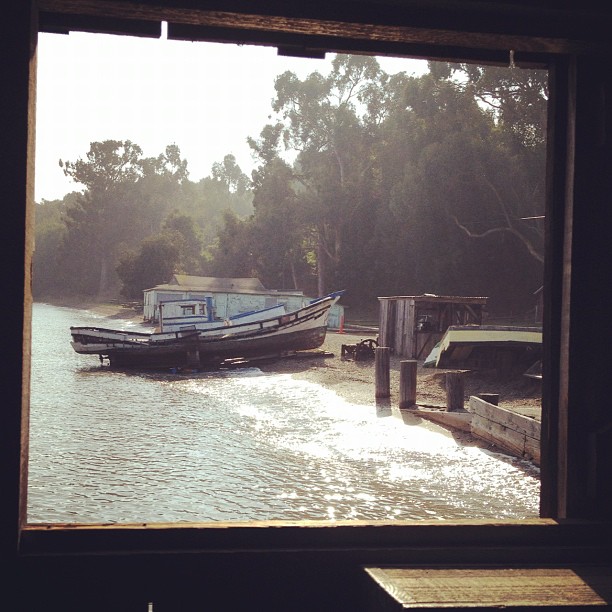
[{"x": 110, "y": 446}]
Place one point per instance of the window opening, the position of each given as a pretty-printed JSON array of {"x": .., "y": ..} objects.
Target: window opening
[{"x": 387, "y": 176}]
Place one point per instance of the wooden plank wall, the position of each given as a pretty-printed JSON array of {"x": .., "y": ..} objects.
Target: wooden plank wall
[
  {"x": 386, "y": 325},
  {"x": 515, "y": 433},
  {"x": 400, "y": 328},
  {"x": 425, "y": 341},
  {"x": 400, "y": 323},
  {"x": 397, "y": 326},
  {"x": 408, "y": 337}
]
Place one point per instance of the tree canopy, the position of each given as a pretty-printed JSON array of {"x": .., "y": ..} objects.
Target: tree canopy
[{"x": 396, "y": 185}]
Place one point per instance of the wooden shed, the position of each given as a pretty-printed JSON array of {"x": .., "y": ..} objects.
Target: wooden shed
[{"x": 412, "y": 325}]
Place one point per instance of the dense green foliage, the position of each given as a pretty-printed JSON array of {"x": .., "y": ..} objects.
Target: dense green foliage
[{"x": 399, "y": 185}]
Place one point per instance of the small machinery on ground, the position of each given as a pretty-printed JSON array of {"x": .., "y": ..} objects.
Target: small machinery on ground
[{"x": 361, "y": 351}]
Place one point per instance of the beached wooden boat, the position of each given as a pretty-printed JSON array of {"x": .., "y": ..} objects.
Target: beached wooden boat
[
  {"x": 302, "y": 329},
  {"x": 478, "y": 346}
]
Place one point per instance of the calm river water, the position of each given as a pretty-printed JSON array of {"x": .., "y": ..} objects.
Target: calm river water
[{"x": 239, "y": 445}]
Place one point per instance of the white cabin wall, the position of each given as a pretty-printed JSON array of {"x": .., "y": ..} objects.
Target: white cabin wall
[
  {"x": 293, "y": 302},
  {"x": 238, "y": 303},
  {"x": 230, "y": 304}
]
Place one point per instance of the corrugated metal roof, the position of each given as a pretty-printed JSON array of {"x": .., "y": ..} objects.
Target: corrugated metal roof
[
  {"x": 186, "y": 282},
  {"x": 211, "y": 283},
  {"x": 198, "y": 288}
]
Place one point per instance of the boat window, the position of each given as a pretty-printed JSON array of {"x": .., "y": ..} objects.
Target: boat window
[{"x": 404, "y": 177}]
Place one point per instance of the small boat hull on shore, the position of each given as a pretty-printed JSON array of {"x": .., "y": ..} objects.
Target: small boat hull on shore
[{"x": 303, "y": 329}]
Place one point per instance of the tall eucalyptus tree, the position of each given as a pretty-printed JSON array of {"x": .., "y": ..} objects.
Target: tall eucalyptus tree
[{"x": 324, "y": 119}]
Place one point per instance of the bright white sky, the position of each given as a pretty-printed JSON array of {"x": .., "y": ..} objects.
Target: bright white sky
[{"x": 206, "y": 98}]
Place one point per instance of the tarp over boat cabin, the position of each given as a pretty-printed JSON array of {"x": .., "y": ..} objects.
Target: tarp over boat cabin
[{"x": 505, "y": 348}]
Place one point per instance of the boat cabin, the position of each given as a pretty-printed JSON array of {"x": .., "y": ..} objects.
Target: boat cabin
[
  {"x": 178, "y": 314},
  {"x": 184, "y": 315}
]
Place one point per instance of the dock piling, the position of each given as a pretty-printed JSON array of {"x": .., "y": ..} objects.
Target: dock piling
[
  {"x": 408, "y": 382},
  {"x": 382, "y": 371},
  {"x": 454, "y": 391}
]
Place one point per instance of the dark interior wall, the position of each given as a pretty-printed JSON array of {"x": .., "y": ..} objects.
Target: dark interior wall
[
  {"x": 17, "y": 69},
  {"x": 294, "y": 569},
  {"x": 589, "y": 261}
]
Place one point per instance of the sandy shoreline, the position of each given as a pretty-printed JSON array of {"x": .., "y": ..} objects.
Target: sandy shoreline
[
  {"x": 110, "y": 310},
  {"x": 354, "y": 380}
]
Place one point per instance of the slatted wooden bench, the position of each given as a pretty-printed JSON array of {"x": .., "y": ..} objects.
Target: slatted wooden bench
[{"x": 490, "y": 588}]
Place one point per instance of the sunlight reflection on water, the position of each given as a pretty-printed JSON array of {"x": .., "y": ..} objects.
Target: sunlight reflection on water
[{"x": 239, "y": 445}]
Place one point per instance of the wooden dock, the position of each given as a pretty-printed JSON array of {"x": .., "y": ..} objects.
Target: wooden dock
[{"x": 516, "y": 432}]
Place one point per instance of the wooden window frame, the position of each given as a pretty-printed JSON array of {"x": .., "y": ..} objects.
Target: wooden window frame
[{"x": 570, "y": 503}]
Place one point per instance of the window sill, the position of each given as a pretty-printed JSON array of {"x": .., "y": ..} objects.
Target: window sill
[{"x": 479, "y": 536}]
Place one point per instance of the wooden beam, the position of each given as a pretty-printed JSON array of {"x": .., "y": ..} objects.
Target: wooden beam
[
  {"x": 19, "y": 35},
  {"x": 64, "y": 23},
  {"x": 485, "y": 535},
  {"x": 446, "y": 24}
]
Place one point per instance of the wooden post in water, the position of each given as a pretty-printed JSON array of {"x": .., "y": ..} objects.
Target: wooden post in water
[
  {"x": 382, "y": 372},
  {"x": 454, "y": 391},
  {"x": 408, "y": 382}
]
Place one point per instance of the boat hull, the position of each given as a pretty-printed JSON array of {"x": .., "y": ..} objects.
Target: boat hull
[
  {"x": 304, "y": 329},
  {"x": 195, "y": 353}
]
